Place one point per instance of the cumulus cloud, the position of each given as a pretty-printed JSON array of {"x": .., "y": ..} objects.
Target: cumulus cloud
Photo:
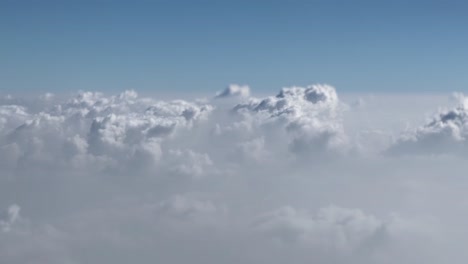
[
  {"x": 445, "y": 133},
  {"x": 121, "y": 129},
  {"x": 117, "y": 178},
  {"x": 309, "y": 116},
  {"x": 234, "y": 90}
]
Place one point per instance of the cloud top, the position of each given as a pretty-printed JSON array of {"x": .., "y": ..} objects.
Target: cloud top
[
  {"x": 445, "y": 133},
  {"x": 96, "y": 178},
  {"x": 234, "y": 90}
]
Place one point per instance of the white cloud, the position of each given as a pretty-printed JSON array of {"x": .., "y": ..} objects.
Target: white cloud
[
  {"x": 108, "y": 179},
  {"x": 234, "y": 90},
  {"x": 445, "y": 133},
  {"x": 90, "y": 126},
  {"x": 310, "y": 117}
]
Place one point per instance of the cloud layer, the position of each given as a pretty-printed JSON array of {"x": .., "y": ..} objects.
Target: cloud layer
[{"x": 296, "y": 177}]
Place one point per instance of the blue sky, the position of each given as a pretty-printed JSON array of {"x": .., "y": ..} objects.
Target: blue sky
[{"x": 376, "y": 46}]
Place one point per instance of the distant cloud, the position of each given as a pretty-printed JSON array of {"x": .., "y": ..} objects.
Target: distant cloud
[
  {"x": 310, "y": 116},
  {"x": 234, "y": 90},
  {"x": 446, "y": 133}
]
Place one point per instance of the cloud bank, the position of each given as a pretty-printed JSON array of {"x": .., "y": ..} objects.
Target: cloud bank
[{"x": 302, "y": 176}]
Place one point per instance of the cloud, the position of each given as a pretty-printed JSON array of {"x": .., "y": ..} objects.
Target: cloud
[
  {"x": 234, "y": 90},
  {"x": 12, "y": 217},
  {"x": 122, "y": 129},
  {"x": 295, "y": 101},
  {"x": 333, "y": 228},
  {"x": 96, "y": 178},
  {"x": 189, "y": 210},
  {"x": 188, "y": 163},
  {"x": 22, "y": 242},
  {"x": 11, "y": 115},
  {"x": 309, "y": 116},
  {"x": 445, "y": 133}
]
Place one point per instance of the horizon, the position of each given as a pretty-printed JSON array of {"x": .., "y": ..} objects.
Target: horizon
[{"x": 226, "y": 132}]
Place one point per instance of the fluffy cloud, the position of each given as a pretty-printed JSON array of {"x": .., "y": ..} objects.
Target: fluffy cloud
[
  {"x": 121, "y": 129},
  {"x": 234, "y": 90},
  {"x": 113, "y": 179},
  {"x": 11, "y": 115},
  {"x": 309, "y": 116},
  {"x": 445, "y": 133}
]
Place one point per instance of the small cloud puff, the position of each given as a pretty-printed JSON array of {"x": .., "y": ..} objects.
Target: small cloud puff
[{"x": 234, "y": 90}]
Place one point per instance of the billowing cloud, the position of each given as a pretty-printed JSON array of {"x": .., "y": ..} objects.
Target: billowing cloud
[
  {"x": 310, "y": 117},
  {"x": 94, "y": 178},
  {"x": 121, "y": 129},
  {"x": 445, "y": 133}
]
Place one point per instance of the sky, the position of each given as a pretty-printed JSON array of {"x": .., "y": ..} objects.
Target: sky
[
  {"x": 233, "y": 132},
  {"x": 154, "y": 46}
]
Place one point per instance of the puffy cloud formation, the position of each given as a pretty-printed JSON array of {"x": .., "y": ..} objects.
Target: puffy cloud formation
[
  {"x": 445, "y": 133},
  {"x": 296, "y": 102},
  {"x": 234, "y": 90},
  {"x": 115, "y": 131},
  {"x": 310, "y": 116},
  {"x": 121, "y": 178}
]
